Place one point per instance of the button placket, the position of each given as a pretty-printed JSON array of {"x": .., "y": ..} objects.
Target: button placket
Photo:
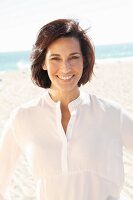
[
  {"x": 64, "y": 153},
  {"x": 71, "y": 124},
  {"x": 65, "y": 137},
  {"x": 65, "y": 158}
]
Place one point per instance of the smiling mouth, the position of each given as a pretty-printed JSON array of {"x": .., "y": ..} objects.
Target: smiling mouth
[{"x": 65, "y": 77}]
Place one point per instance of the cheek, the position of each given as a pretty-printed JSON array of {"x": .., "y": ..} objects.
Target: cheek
[
  {"x": 79, "y": 69},
  {"x": 51, "y": 69}
]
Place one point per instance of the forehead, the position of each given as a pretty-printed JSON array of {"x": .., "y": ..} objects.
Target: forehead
[{"x": 70, "y": 43}]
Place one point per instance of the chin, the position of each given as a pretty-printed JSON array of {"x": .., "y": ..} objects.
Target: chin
[
  {"x": 68, "y": 88},
  {"x": 65, "y": 86}
]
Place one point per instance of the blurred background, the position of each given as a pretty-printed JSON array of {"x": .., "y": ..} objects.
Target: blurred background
[{"x": 110, "y": 21}]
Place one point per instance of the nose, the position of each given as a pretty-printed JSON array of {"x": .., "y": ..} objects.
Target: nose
[{"x": 66, "y": 67}]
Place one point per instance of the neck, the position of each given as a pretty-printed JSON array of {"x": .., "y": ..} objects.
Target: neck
[{"x": 64, "y": 97}]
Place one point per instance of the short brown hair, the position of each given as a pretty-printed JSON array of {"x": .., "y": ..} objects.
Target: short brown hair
[{"x": 49, "y": 33}]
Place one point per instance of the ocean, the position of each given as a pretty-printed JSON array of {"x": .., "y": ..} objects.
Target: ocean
[{"x": 21, "y": 59}]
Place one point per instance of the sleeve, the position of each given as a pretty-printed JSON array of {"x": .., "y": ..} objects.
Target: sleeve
[
  {"x": 9, "y": 154},
  {"x": 127, "y": 131}
]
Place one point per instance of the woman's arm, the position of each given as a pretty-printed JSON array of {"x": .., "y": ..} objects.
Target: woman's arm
[
  {"x": 9, "y": 154},
  {"x": 127, "y": 131}
]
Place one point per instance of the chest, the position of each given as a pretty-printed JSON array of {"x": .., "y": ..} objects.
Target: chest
[
  {"x": 89, "y": 144},
  {"x": 65, "y": 118}
]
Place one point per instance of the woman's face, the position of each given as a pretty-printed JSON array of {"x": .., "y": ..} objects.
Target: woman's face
[{"x": 64, "y": 63}]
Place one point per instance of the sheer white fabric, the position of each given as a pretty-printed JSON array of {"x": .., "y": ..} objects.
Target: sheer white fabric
[{"x": 85, "y": 163}]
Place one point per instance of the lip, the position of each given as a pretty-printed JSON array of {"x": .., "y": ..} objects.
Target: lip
[{"x": 65, "y": 78}]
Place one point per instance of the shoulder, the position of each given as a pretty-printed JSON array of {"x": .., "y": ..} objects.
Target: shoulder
[
  {"x": 98, "y": 104},
  {"x": 30, "y": 107},
  {"x": 105, "y": 103}
]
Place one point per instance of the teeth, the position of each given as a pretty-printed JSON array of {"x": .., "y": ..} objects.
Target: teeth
[{"x": 65, "y": 77}]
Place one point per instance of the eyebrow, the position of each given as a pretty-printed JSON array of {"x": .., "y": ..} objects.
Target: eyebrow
[{"x": 71, "y": 54}]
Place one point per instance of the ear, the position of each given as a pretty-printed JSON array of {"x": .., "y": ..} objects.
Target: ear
[{"x": 44, "y": 67}]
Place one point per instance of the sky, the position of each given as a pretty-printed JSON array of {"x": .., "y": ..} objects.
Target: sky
[{"x": 20, "y": 21}]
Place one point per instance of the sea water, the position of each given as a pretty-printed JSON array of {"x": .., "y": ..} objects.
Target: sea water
[{"x": 21, "y": 59}]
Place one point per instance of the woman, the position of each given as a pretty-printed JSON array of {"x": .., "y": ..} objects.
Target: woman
[{"x": 73, "y": 140}]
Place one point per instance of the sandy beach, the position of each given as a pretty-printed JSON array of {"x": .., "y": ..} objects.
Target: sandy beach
[{"x": 113, "y": 80}]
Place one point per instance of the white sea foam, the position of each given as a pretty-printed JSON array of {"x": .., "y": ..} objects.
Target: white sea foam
[{"x": 22, "y": 65}]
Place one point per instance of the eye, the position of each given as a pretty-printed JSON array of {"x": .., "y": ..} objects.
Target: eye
[
  {"x": 55, "y": 58},
  {"x": 74, "y": 57}
]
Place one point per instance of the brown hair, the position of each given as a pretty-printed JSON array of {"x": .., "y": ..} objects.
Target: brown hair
[{"x": 49, "y": 33}]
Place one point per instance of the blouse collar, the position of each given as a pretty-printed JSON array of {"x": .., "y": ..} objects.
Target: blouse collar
[{"x": 72, "y": 105}]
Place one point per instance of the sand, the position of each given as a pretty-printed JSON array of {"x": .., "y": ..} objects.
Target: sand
[{"x": 113, "y": 80}]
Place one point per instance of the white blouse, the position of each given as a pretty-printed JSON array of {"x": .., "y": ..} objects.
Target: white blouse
[{"x": 86, "y": 163}]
